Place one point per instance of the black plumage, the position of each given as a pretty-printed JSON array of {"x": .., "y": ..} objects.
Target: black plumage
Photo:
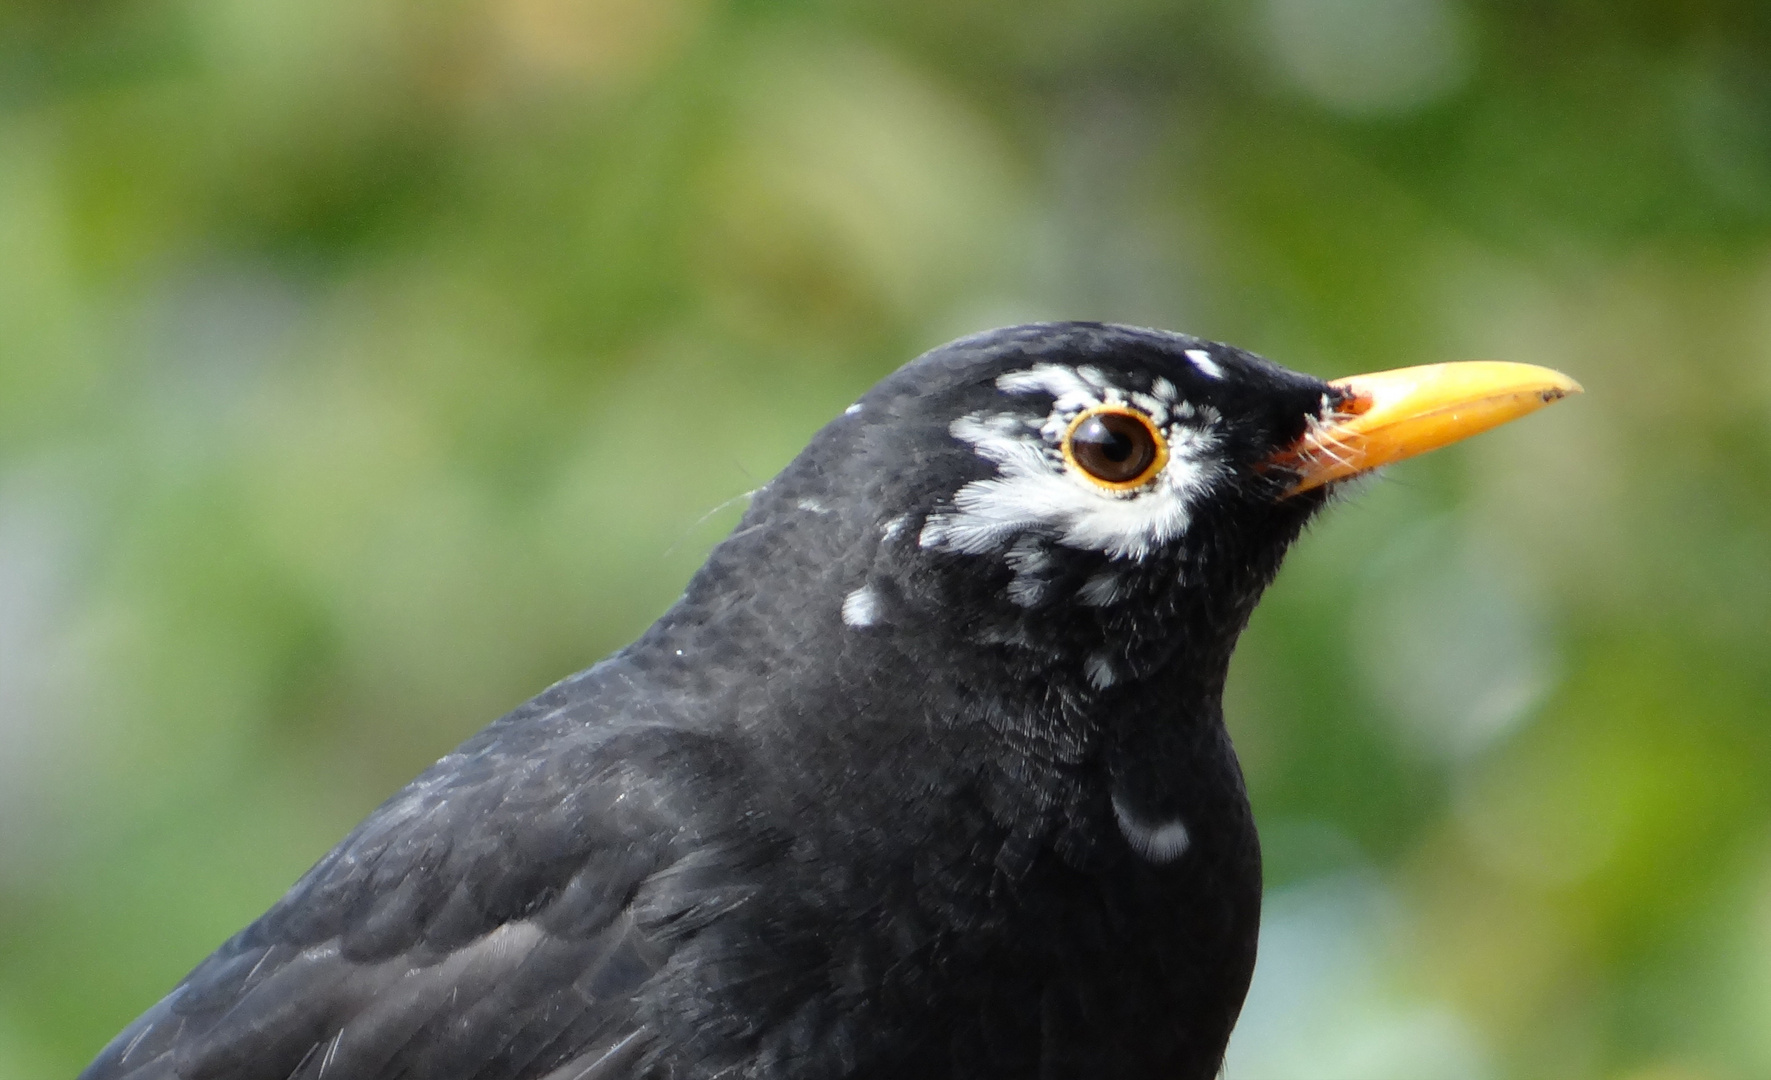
[{"x": 913, "y": 782}]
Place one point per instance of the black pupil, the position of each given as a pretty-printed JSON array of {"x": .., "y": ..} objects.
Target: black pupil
[{"x": 1113, "y": 447}]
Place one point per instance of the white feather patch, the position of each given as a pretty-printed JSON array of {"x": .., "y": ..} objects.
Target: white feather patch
[
  {"x": 1030, "y": 559},
  {"x": 1101, "y": 590},
  {"x": 861, "y": 608},
  {"x": 1099, "y": 669},
  {"x": 1206, "y": 365},
  {"x": 1069, "y": 390},
  {"x": 1161, "y": 843}
]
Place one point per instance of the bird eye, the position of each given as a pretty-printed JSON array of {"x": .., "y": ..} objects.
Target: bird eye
[{"x": 1116, "y": 447}]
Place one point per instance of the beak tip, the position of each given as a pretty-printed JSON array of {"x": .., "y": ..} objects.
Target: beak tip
[{"x": 1563, "y": 387}]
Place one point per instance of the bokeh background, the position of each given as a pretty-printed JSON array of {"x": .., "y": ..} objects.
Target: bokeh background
[{"x": 367, "y": 365}]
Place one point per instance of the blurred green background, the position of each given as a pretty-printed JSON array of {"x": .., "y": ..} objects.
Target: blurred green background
[{"x": 367, "y": 365}]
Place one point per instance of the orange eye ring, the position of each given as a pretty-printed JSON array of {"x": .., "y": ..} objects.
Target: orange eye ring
[{"x": 1115, "y": 447}]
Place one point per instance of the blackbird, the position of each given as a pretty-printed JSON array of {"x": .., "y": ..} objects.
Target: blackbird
[{"x": 925, "y": 775}]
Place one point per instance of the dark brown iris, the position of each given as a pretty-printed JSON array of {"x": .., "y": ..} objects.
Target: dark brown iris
[{"x": 1116, "y": 447}]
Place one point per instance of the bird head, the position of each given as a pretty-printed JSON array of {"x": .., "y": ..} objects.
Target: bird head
[{"x": 1090, "y": 505}]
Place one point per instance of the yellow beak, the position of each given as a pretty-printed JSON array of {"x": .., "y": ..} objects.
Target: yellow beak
[{"x": 1392, "y": 415}]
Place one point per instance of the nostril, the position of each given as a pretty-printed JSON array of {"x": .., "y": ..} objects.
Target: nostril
[{"x": 1345, "y": 401}]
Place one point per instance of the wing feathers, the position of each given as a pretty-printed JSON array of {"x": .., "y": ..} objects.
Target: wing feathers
[{"x": 499, "y": 919}]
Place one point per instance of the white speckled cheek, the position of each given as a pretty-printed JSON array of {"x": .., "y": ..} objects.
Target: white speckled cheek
[{"x": 1034, "y": 491}]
